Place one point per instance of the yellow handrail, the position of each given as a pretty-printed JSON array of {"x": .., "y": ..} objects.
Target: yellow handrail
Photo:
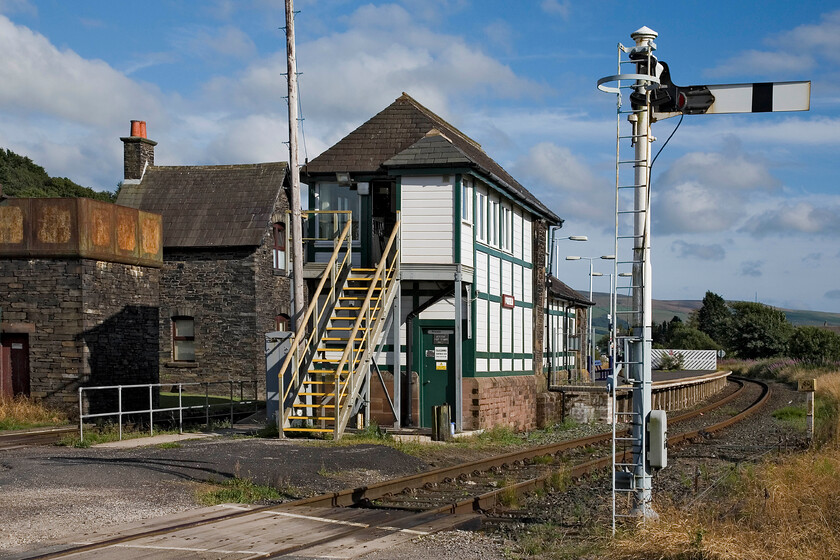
[
  {"x": 386, "y": 282},
  {"x": 304, "y": 321}
]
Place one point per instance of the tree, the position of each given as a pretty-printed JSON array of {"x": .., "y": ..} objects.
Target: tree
[
  {"x": 662, "y": 333},
  {"x": 758, "y": 331},
  {"x": 21, "y": 177},
  {"x": 685, "y": 337},
  {"x": 714, "y": 318},
  {"x": 814, "y": 345}
]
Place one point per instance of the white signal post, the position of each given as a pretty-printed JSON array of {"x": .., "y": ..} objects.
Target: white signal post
[{"x": 656, "y": 97}]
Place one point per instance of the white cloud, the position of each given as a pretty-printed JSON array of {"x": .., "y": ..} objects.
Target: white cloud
[
  {"x": 17, "y": 7},
  {"x": 802, "y": 217},
  {"x": 752, "y": 268},
  {"x": 566, "y": 184},
  {"x": 209, "y": 42},
  {"x": 726, "y": 170},
  {"x": 41, "y": 80},
  {"x": 832, "y": 294},
  {"x": 754, "y": 62},
  {"x": 822, "y": 38},
  {"x": 713, "y": 252},
  {"x": 560, "y": 8}
]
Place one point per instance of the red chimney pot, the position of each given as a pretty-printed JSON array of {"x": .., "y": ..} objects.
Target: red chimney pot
[{"x": 138, "y": 129}]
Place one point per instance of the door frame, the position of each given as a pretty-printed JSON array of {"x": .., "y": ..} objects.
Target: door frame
[{"x": 9, "y": 382}]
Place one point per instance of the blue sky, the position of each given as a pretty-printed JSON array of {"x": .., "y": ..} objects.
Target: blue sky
[{"x": 744, "y": 205}]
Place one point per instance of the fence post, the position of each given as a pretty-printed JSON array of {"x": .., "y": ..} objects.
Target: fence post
[
  {"x": 207, "y": 405},
  {"x": 81, "y": 416},
  {"x": 230, "y": 385},
  {"x": 119, "y": 409},
  {"x": 151, "y": 413},
  {"x": 180, "y": 408}
]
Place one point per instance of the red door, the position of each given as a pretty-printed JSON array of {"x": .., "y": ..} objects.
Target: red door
[{"x": 14, "y": 375}]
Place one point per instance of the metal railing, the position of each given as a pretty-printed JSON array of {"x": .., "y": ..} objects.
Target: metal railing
[
  {"x": 151, "y": 410},
  {"x": 358, "y": 350},
  {"x": 304, "y": 346}
]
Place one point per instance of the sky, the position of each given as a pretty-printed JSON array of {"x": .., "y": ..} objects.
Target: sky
[{"x": 746, "y": 206}]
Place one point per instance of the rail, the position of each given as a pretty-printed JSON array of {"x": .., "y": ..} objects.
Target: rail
[
  {"x": 358, "y": 351},
  {"x": 120, "y": 413},
  {"x": 303, "y": 345}
]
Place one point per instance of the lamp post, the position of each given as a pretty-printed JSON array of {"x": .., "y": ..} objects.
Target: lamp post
[
  {"x": 550, "y": 271},
  {"x": 591, "y": 349}
]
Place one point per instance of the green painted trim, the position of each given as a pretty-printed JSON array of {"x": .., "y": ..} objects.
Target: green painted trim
[
  {"x": 456, "y": 220},
  {"x": 398, "y": 193},
  {"x": 502, "y": 255},
  {"x": 554, "y": 313},
  {"x": 492, "y": 184},
  {"x": 498, "y": 299}
]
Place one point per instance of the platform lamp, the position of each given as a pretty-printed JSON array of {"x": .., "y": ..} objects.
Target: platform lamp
[
  {"x": 591, "y": 348},
  {"x": 550, "y": 271}
]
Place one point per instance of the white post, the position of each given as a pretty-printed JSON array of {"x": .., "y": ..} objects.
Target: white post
[
  {"x": 642, "y": 294},
  {"x": 294, "y": 171},
  {"x": 591, "y": 363}
]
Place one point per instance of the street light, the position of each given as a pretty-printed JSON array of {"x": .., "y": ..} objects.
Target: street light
[
  {"x": 553, "y": 248},
  {"x": 590, "y": 357}
]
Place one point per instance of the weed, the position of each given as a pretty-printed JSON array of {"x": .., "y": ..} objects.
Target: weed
[
  {"x": 508, "y": 496},
  {"x": 241, "y": 491},
  {"x": 23, "y": 413},
  {"x": 793, "y": 416},
  {"x": 559, "y": 480},
  {"x": 544, "y": 460}
]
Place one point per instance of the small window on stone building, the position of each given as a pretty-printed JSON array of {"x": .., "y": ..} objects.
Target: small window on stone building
[
  {"x": 183, "y": 339},
  {"x": 279, "y": 251}
]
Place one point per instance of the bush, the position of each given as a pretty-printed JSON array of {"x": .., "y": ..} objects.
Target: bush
[
  {"x": 672, "y": 362},
  {"x": 759, "y": 331},
  {"x": 814, "y": 345}
]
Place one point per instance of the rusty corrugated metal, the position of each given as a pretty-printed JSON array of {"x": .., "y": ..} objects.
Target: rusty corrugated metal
[{"x": 59, "y": 227}]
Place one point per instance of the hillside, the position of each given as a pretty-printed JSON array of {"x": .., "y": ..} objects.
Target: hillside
[
  {"x": 665, "y": 310},
  {"x": 21, "y": 177}
]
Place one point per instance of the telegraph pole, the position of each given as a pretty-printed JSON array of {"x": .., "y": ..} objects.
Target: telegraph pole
[{"x": 294, "y": 170}]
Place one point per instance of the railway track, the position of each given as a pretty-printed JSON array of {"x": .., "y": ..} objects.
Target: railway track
[
  {"x": 41, "y": 436},
  {"x": 339, "y": 523}
]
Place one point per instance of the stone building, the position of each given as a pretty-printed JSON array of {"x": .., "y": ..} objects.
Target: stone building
[
  {"x": 79, "y": 290},
  {"x": 223, "y": 282}
]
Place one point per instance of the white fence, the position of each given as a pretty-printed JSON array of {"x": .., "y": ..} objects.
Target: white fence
[{"x": 692, "y": 359}]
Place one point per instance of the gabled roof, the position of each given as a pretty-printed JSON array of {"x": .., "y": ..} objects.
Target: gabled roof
[
  {"x": 209, "y": 205},
  {"x": 406, "y": 125},
  {"x": 559, "y": 290}
]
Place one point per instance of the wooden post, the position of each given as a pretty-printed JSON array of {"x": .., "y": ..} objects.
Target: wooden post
[{"x": 294, "y": 171}]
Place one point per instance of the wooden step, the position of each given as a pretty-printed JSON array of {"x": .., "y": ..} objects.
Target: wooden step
[{"x": 300, "y": 405}]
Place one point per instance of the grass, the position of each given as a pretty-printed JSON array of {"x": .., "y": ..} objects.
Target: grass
[
  {"x": 109, "y": 432},
  {"x": 780, "y": 509},
  {"x": 23, "y": 413},
  {"x": 242, "y": 491}
]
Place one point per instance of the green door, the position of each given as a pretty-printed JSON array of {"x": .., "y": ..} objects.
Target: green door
[{"x": 437, "y": 372}]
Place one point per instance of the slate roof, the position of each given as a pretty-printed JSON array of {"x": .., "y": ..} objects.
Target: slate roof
[
  {"x": 560, "y": 290},
  {"x": 404, "y": 125},
  {"x": 209, "y": 205}
]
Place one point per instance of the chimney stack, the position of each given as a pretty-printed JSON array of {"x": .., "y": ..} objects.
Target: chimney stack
[{"x": 138, "y": 152}]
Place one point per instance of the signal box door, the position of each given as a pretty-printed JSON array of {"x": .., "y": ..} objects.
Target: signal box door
[{"x": 437, "y": 375}]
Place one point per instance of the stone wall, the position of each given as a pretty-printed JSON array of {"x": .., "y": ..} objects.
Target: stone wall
[
  {"x": 216, "y": 288},
  {"x": 500, "y": 401},
  {"x": 88, "y": 323}
]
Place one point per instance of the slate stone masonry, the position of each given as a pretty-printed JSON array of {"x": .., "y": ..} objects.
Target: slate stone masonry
[{"x": 89, "y": 323}]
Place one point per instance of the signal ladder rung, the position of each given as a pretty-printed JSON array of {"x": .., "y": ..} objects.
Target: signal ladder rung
[
  {"x": 632, "y": 211},
  {"x": 627, "y": 465},
  {"x": 631, "y": 236},
  {"x": 624, "y": 137},
  {"x": 632, "y": 161},
  {"x": 632, "y": 111}
]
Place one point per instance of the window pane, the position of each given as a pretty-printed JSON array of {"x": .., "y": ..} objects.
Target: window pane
[
  {"x": 184, "y": 327},
  {"x": 184, "y": 350}
]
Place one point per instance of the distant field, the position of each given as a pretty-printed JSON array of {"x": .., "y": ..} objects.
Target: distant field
[{"x": 665, "y": 310}]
